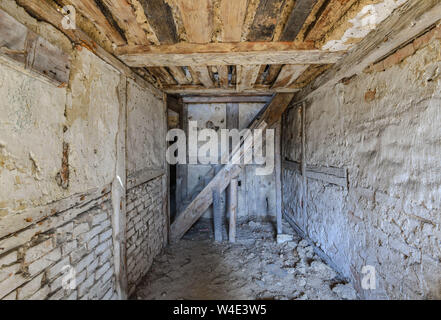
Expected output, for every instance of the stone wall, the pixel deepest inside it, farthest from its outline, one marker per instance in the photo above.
(60, 155)
(382, 129)
(146, 228)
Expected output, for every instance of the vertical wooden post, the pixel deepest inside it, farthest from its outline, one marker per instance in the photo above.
(166, 178)
(232, 209)
(278, 174)
(184, 168)
(217, 215)
(304, 179)
(181, 169)
(119, 195)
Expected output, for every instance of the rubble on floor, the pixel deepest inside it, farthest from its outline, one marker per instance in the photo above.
(255, 267)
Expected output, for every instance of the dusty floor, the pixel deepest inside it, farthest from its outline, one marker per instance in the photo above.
(255, 267)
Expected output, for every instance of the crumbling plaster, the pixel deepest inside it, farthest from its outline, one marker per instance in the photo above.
(382, 127)
(145, 129)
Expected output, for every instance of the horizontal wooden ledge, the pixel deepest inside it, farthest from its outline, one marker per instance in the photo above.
(142, 176)
(227, 99)
(337, 176)
(216, 54)
(200, 89)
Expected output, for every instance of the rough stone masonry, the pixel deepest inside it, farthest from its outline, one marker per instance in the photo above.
(381, 130)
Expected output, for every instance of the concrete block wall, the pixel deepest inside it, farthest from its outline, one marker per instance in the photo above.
(146, 229)
(382, 127)
(79, 248)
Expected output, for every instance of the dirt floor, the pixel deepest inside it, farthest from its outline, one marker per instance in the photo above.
(255, 267)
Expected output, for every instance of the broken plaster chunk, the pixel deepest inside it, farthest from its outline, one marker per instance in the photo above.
(303, 243)
(282, 238)
(345, 291)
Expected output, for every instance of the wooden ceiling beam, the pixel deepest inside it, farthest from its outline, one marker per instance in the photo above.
(179, 75)
(228, 99)
(223, 76)
(264, 24)
(91, 11)
(246, 77)
(125, 17)
(330, 14)
(288, 75)
(203, 76)
(302, 10)
(200, 89)
(197, 19)
(232, 14)
(160, 17)
(213, 54)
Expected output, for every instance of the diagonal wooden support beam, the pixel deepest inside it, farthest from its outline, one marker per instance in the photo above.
(203, 200)
(217, 54)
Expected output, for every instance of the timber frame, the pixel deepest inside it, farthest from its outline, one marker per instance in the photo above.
(219, 51)
(211, 46)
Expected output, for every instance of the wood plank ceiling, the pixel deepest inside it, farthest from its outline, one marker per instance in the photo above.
(217, 46)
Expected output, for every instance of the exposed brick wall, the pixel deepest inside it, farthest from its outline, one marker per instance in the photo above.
(82, 245)
(146, 229)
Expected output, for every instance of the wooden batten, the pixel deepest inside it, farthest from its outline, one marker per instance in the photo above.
(223, 76)
(203, 76)
(246, 77)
